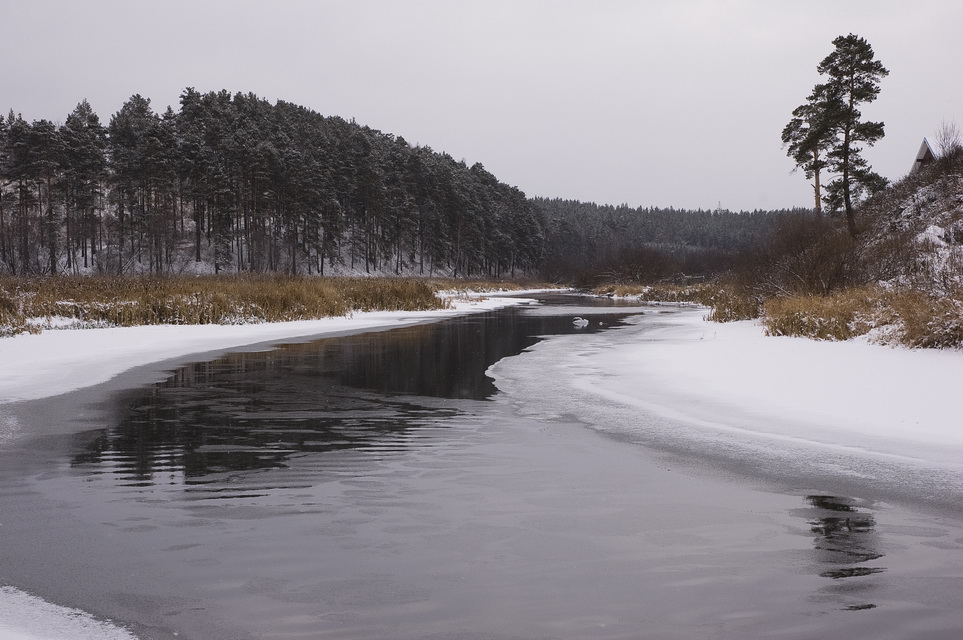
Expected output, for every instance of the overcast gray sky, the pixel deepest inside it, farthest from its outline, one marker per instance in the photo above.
(663, 103)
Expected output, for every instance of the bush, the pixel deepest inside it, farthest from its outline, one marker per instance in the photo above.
(679, 294)
(732, 304)
(727, 302)
(927, 321)
(807, 255)
(910, 318)
(837, 317)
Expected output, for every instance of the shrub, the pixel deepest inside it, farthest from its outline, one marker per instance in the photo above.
(732, 304)
(695, 294)
(927, 321)
(807, 255)
(837, 317)
(910, 318)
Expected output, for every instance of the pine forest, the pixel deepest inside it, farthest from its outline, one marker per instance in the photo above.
(231, 183)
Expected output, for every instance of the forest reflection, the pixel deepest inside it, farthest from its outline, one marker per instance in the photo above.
(254, 411)
(845, 539)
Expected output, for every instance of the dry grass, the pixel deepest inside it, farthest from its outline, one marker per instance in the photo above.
(726, 302)
(910, 318)
(732, 303)
(487, 286)
(927, 321)
(840, 316)
(692, 294)
(29, 304)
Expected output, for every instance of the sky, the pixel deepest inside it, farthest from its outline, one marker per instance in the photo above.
(650, 103)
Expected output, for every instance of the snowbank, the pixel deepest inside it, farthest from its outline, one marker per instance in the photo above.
(729, 391)
(25, 617)
(885, 400)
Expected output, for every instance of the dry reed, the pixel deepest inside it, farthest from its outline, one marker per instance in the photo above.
(911, 318)
(31, 303)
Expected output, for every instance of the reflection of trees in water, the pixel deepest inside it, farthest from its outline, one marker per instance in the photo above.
(192, 433)
(845, 539)
(254, 411)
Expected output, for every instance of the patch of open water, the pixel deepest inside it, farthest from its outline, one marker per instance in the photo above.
(368, 487)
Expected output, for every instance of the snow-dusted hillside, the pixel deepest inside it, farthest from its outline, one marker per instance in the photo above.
(916, 227)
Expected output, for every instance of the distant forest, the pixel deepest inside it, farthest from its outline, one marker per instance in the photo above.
(593, 243)
(234, 183)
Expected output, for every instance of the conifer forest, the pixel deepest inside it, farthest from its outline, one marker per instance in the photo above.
(233, 183)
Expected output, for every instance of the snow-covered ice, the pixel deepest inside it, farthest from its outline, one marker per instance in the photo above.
(773, 404)
(885, 400)
(25, 617)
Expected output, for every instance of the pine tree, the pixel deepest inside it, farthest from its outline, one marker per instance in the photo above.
(808, 137)
(85, 170)
(830, 122)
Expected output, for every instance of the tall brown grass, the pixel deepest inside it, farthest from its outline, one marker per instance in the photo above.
(911, 318)
(27, 304)
(679, 294)
(726, 301)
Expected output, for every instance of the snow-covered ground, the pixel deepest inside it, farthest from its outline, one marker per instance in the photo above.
(775, 405)
(720, 379)
(883, 400)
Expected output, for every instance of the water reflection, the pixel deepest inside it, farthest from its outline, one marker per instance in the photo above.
(845, 538)
(259, 411)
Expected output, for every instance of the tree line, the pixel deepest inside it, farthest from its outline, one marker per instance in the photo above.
(234, 183)
(594, 243)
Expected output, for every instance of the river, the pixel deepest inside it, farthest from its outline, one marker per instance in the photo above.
(395, 485)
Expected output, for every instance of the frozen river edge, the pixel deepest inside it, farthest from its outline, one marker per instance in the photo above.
(869, 413)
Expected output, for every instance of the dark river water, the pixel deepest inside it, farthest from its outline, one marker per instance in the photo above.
(378, 486)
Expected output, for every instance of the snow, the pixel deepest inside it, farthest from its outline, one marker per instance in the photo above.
(25, 617)
(722, 378)
(884, 400)
(729, 385)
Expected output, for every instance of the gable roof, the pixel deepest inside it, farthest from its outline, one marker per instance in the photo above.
(924, 156)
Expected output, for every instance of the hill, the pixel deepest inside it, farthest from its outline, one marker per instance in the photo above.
(233, 183)
(915, 227)
(899, 281)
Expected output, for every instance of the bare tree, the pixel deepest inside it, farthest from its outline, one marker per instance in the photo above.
(949, 139)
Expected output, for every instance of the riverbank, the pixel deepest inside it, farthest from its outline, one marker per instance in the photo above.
(725, 376)
(57, 361)
(874, 419)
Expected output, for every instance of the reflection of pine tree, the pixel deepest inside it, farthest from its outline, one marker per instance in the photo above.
(844, 536)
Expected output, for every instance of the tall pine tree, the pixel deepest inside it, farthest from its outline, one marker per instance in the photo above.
(830, 122)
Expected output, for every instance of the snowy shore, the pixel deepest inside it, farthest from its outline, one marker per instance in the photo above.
(885, 400)
(884, 418)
